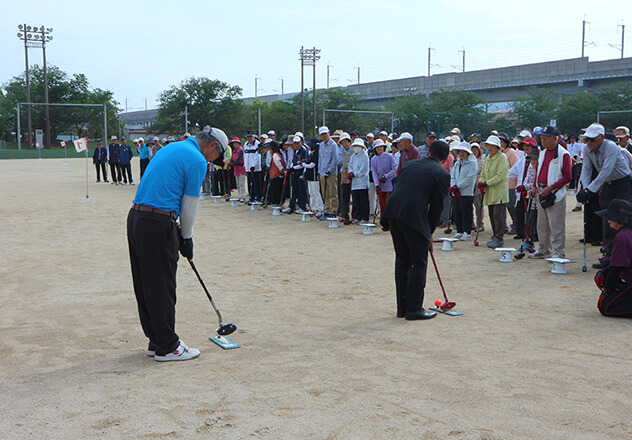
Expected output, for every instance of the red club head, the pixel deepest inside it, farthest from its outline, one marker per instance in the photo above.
(475, 242)
(448, 305)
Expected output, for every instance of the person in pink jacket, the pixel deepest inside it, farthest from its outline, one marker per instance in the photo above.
(237, 164)
(383, 168)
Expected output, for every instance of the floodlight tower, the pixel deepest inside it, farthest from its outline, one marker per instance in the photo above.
(36, 37)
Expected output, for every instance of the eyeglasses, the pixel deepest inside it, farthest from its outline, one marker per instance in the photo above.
(590, 139)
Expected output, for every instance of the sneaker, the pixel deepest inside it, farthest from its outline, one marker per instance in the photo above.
(481, 229)
(558, 255)
(132, 183)
(286, 210)
(466, 237)
(299, 211)
(537, 255)
(355, 222)
(182, 353)
(458, 235)
(320, 217)
(151, 349)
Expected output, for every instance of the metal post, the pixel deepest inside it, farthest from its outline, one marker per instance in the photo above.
(256, 86)
(46, 108)
(105, 124)
(302, 93)
(324, 110)
(186, 118)
(622, 38)
(463, 59)
(259, 125)
(19, 134)
(429, 61)
(28, 95)
(314, 94)
(328, 66)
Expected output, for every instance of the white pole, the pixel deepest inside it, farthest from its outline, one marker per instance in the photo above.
(87, 196)
(65, 155)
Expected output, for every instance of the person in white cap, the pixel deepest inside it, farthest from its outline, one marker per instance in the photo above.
(384, 136)
(169, 190)
(329, 160)
(252, 163)
(613, 180)
(272, 135)
(407, 149)
(143, 155)
(155, 148)
(114, 159)
(462, 183)
(456, 132)
(383, 168)
(494, 184)
(370, 138)
(359, 176)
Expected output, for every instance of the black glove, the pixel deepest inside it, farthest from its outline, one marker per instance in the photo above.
(584, 195)
(327, 174)
(186, 247)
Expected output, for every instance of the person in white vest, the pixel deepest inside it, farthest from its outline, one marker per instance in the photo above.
(553, 174)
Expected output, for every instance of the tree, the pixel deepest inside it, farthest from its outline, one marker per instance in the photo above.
(62, 89)
(613, 98)
(456, 108)
(412, 113)
(208, 102)
(577, 111)
(535, 108)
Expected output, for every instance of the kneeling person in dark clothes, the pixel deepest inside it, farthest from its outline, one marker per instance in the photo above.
(616, 294)
(169, 190)
(412, 214)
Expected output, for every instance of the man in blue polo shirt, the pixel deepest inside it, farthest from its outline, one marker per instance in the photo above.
(170, 189)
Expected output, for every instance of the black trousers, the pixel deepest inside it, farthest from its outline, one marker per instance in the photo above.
(616, 303)
(411, 262)
(299, 192)
(577, 171)
(360, 208)
(153, 251)
(276, 185)
(463, 214)
(126, 172)
(101, 167)
(593, 226)
(115, 170)
(621, 190)
(344, 198)
(254, 185)
(143, 165)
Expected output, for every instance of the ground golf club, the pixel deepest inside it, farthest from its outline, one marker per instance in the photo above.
(223, 329)
(447, 305)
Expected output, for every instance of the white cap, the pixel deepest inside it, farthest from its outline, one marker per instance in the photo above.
(383, 133)
(455, 130)
(493, 140)
(404, 135)
(297, 139)
(594, 130)
(271, 133)
(323, 129)
(264, 136)
(187, 134)
(140, 139)
(219, 135)
(525, 133)
(358, 143)
(495, 132)
(464, 146)
(298, 133)
(113, 138)
(370, 135)
(164, 140)
(455, 138)
(378, 143)
(156, 138)
(344, 136)
(390, 136)
(135, 140)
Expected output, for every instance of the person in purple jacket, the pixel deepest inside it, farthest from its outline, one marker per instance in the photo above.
(383, 169)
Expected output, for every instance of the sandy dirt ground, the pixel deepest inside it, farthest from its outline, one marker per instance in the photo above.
(323, 355)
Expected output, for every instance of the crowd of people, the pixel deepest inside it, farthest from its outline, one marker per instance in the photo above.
(524, 182)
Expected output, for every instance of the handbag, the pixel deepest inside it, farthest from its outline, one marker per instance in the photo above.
(547, 201)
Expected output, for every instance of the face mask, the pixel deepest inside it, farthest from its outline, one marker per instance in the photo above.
(357, 149)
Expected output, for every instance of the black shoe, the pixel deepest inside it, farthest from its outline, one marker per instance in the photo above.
(595, 243)
(424, 314)
(600, 265)
(581, 240)
(401, 314)
(347, 222)
(518, 237)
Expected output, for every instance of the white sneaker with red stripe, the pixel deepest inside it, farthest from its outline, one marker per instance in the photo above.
(182, 353)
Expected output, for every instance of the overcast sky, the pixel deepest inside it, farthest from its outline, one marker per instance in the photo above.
(139, 48)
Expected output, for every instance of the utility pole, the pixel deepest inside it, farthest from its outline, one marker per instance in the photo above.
(358, 73)
(583, 36)
(282, 92)
(186, 118)
(145, 103)
(622, 37)
(308, 57)
(463, 59)
(429, 50)
(256, 88)
(328, 66)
